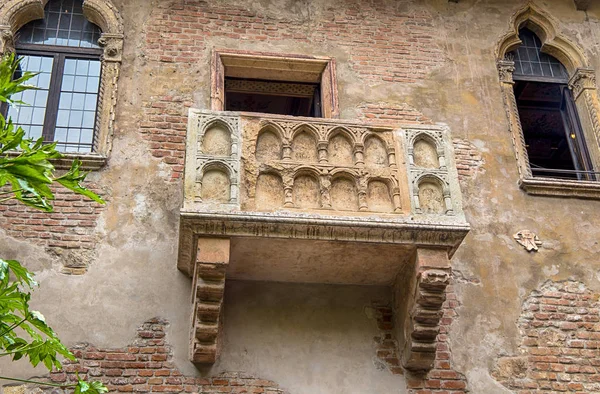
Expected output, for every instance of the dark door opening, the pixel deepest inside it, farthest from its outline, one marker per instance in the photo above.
(273, 97)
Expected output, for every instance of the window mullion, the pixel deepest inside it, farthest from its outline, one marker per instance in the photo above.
(577, 130)
(53, 97)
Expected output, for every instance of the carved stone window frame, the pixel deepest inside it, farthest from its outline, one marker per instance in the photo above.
(582, 82)
(14, 14)
(274, 67)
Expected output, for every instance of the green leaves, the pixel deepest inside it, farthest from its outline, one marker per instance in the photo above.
(89, 388)
(71, 180)
(26, 173)
(25, 164)
(9, 68)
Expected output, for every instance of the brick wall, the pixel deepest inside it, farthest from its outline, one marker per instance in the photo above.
(383, 41)
(164, 126)
(384, 44)
(71, 225)
(560, 347)
(468, 158)
(442, 379)
(146, 366)
(391, 114)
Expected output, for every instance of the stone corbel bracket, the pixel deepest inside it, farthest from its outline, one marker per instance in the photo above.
(421, 313)
(433, 178)
(207, 299)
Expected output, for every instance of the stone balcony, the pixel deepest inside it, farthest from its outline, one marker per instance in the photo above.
(289, 199)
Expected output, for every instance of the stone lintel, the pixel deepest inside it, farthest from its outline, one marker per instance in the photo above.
(212, 258)
(432, 271)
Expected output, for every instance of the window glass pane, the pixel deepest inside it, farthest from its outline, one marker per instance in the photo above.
(63, 24)
(77, 104)
(30, 116)
(531, 61)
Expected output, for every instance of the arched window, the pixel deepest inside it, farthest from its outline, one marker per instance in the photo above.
(63, 48)
(553, 135)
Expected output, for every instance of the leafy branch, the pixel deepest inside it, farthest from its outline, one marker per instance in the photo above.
(26, 174)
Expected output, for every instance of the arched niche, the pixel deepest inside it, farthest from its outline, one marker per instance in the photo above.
(375, 152)
(425, 153)
(431, 196)
(344, 193)
(304, 146)
(269, 191)
(216, 185)
(379, 196)
(268, 146)
(306, 191)
(216, 140)
(340, 149)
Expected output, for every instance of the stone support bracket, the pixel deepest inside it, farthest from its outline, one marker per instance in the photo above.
(424, 310)
(208, 293)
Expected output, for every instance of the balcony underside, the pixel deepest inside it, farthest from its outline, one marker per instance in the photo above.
(314, 250)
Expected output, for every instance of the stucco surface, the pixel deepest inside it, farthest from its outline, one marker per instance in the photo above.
(318, 338)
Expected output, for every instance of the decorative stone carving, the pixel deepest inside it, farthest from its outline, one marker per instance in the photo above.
(16, 13)
(505, 71)
(208, 291)
(319, 156)
(424, 309)
(213, 179)
(432, 180)
(583, 79)
(528, 240)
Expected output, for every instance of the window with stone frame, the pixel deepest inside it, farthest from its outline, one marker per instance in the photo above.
(554, 139)
(551, 99)
(283, 84)
(75, 46)
(63, 49)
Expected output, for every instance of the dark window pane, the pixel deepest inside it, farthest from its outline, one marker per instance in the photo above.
(533, 61)
(63, 24)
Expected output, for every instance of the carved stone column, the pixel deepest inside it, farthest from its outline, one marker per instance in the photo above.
(208, 291)
(585, 94)
(505, 70)
(359, 157)
(423, 295)
(322, 151)
(7, 43)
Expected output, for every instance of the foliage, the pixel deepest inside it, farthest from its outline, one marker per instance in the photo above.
(26, 174)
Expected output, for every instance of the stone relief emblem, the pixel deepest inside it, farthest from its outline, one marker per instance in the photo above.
(528, 240)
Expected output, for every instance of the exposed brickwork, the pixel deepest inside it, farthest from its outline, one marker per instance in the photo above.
(442, 379)
(468, 158)
(387, 346)
(147, 366)
(560, 348)
(383, 41)
(390, 114)
(164, 125)
(70, 226)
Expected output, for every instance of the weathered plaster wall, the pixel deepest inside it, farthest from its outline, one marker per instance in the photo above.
(426, 61)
